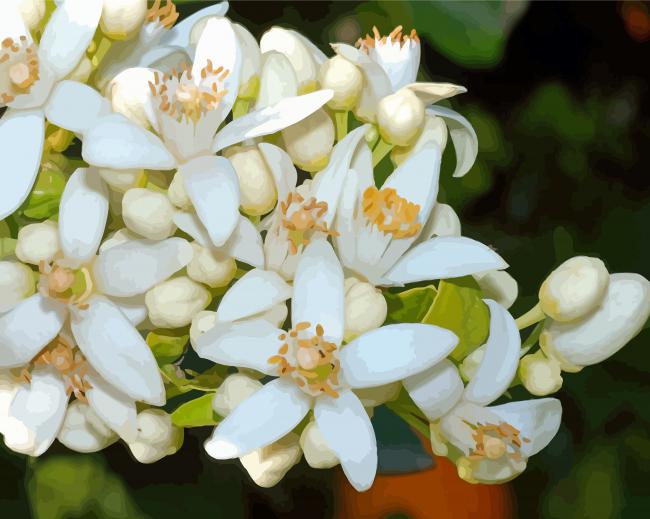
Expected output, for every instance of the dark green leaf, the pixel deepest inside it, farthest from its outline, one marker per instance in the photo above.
(409, 306)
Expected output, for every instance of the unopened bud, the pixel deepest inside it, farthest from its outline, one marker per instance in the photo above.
(157, 436)
(256, 184)
(177, 193)
(498, 285)
(121, 19)
(174, 302)
(207, 268)
(201, 323)
(130, 94)
(344, 79)
(290, 44)
(83, 430)
(400, 117)
(233, 391)
(38, 242)
(540, 375)
(122, 180)
(16, 283)
(365, 308)
(310, 141)
(32, 12)
(148, 213)
(118, 238)
(268, 465)
(317, 453)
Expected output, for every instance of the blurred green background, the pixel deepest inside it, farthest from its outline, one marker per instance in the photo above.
(558, 97)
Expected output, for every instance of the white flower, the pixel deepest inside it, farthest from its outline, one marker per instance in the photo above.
(314, 370)
(494, 442)
(29, 79)
(157, 436)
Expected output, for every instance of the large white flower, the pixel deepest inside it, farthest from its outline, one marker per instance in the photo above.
(314, 369)
(29, 73)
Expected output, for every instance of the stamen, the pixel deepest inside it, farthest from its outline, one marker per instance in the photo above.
(69, 286)
(496, 441)
(166, 16)
(376, 40)
(302, 219)
(391, 213)
(18, 63)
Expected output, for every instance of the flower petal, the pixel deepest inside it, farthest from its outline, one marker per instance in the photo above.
(500, 360)
(261, 419)
(213, 186)
(318, 290)
(82, 214)
(134, 267)
(246, 344)
(430, 93)
(245, 244)
(347, 430)
(283, 171)
(277, 80)
(394, 352)
(75, 106)
(113, 407)
(21, 145)
(117, 351)
(445, 257)
(134, 308)
(179, 34)
(28, 327)
(462, 135)
(436, 390)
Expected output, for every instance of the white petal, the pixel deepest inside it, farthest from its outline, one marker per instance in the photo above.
(270, 119)
(436, 390)
(399, 59)
(445, 257)
(28, 327)
(394, 352)
(68, 33)
(462, 135)
(283, 171)
(212, 185)
(179, 34)
(430, 93)
(347, 430)
(21, 145)
(117, 143)
(318, 290)
(189, 223)
(133, 308)
(277, 80)
(443, 221)
(83, 431)
(113, 407)
(75, 106)
(246, 344)
(263, 418)
(245, 244)
(257, 291)
(500, 360)
(134, 267)
(117, 351)
(12, 24)
(82, 214)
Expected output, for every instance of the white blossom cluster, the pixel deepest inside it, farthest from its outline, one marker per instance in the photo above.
(189, 193)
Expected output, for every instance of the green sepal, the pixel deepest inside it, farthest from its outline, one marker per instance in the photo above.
(167, 345)
(196, 413)
(43, 201)
(179, 383)
(409, 306)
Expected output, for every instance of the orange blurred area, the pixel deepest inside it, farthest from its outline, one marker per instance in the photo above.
(637, 20)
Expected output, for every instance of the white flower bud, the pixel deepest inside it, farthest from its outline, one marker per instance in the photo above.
(174, 302)
(16, 283)
(365, 308)
(207, 268)
(38, 242)
(498, 285)
(130, 95)
(233, 391)
(541, 376)
(256, 184)
(268, 465)
(574, 289)
(376, 396)
(444, 221)
(434, 129)
(400, 117)
(177, 193)
(201, 323)
(118, 238)
(32, 12)
(290, 44)
(317, 453)
(83, 430)
(121, 19)
(157, 436)
(470, 364)
(310, 141)
(122, 180)
(345, 79)
(148, 213)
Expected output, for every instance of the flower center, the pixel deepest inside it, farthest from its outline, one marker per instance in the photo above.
(391, 213)
(395, 35)
(309, 359)
(165, 16)
(70, 286)
(302, 219)
(19, 67)
(495, 441)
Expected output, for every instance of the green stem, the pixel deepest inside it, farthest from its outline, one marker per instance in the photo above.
(341, 119)
(381, 150)
(240, 107)
(533, 316)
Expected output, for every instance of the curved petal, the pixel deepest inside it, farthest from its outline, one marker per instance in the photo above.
(213, 186)
(436, 390)
(113, 407)
(399, 59)
(347, 430)
(82, 214)
(283, 171)
(245, 244)
(256, 291)
(445, 257)
(277, 80)
(134, 267)
(247, 344)
(28, 327)
(394, 352)
(21, 146)
(134, 308)
(68, 34)
(462, 135)
(500, 360)
(318, 290)
(75, 106)
(261, 419)
(179, 34)
(189, 223)
(117, 351)
(430, 93)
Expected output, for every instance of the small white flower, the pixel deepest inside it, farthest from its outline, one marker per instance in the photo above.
(157, 436)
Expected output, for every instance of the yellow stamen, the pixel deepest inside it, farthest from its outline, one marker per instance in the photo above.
(166, 16)
(390, 213)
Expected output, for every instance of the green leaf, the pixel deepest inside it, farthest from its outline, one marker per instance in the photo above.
(459, 308)
(167, 345)
(43, 201)
(7, 247)
(409, 306)
(196, 413)
(209, 380)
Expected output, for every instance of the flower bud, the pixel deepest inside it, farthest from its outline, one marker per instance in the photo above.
(38, 242)
(400, 117)
(574, 289)
(498, 285)
(541, 376)
(32, 12)
(157, 436)
(201, 323)
(130, 95)
(122, 180)
(173, 303)
(345, 79)
(233, 391)
(118, 238)
(121, 19)
(433, 130)
(16, 283)
(209, 269)
(177, 194)
(376, 396)
(256, 184)
(365, 308)
(471, 363)
(83, 430)
(310, 141)
(268, 465)
(317, 453)
(148, 213)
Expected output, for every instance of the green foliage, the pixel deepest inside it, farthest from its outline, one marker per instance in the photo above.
(167, 345)
(178, 381)
(196, 413)
(7, 247)
(409, 306)
(43, 202)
